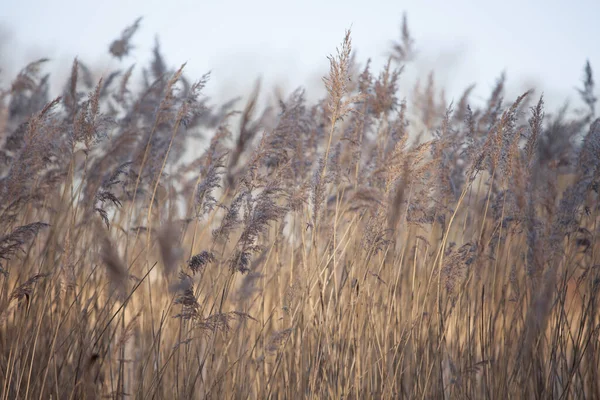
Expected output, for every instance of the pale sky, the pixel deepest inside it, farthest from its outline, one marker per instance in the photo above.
(541, 43)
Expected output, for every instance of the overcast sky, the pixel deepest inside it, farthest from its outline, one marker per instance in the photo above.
(538, 43)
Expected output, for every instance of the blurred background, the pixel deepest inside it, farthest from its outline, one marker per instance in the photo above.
(541, 44)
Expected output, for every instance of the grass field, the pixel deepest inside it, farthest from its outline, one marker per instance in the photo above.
(375, 244)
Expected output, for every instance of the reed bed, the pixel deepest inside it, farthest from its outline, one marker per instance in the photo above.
(374, 244)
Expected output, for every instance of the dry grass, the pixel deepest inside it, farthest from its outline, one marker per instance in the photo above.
(361, 247)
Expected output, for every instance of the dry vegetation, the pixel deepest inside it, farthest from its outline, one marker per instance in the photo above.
(360, 247)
